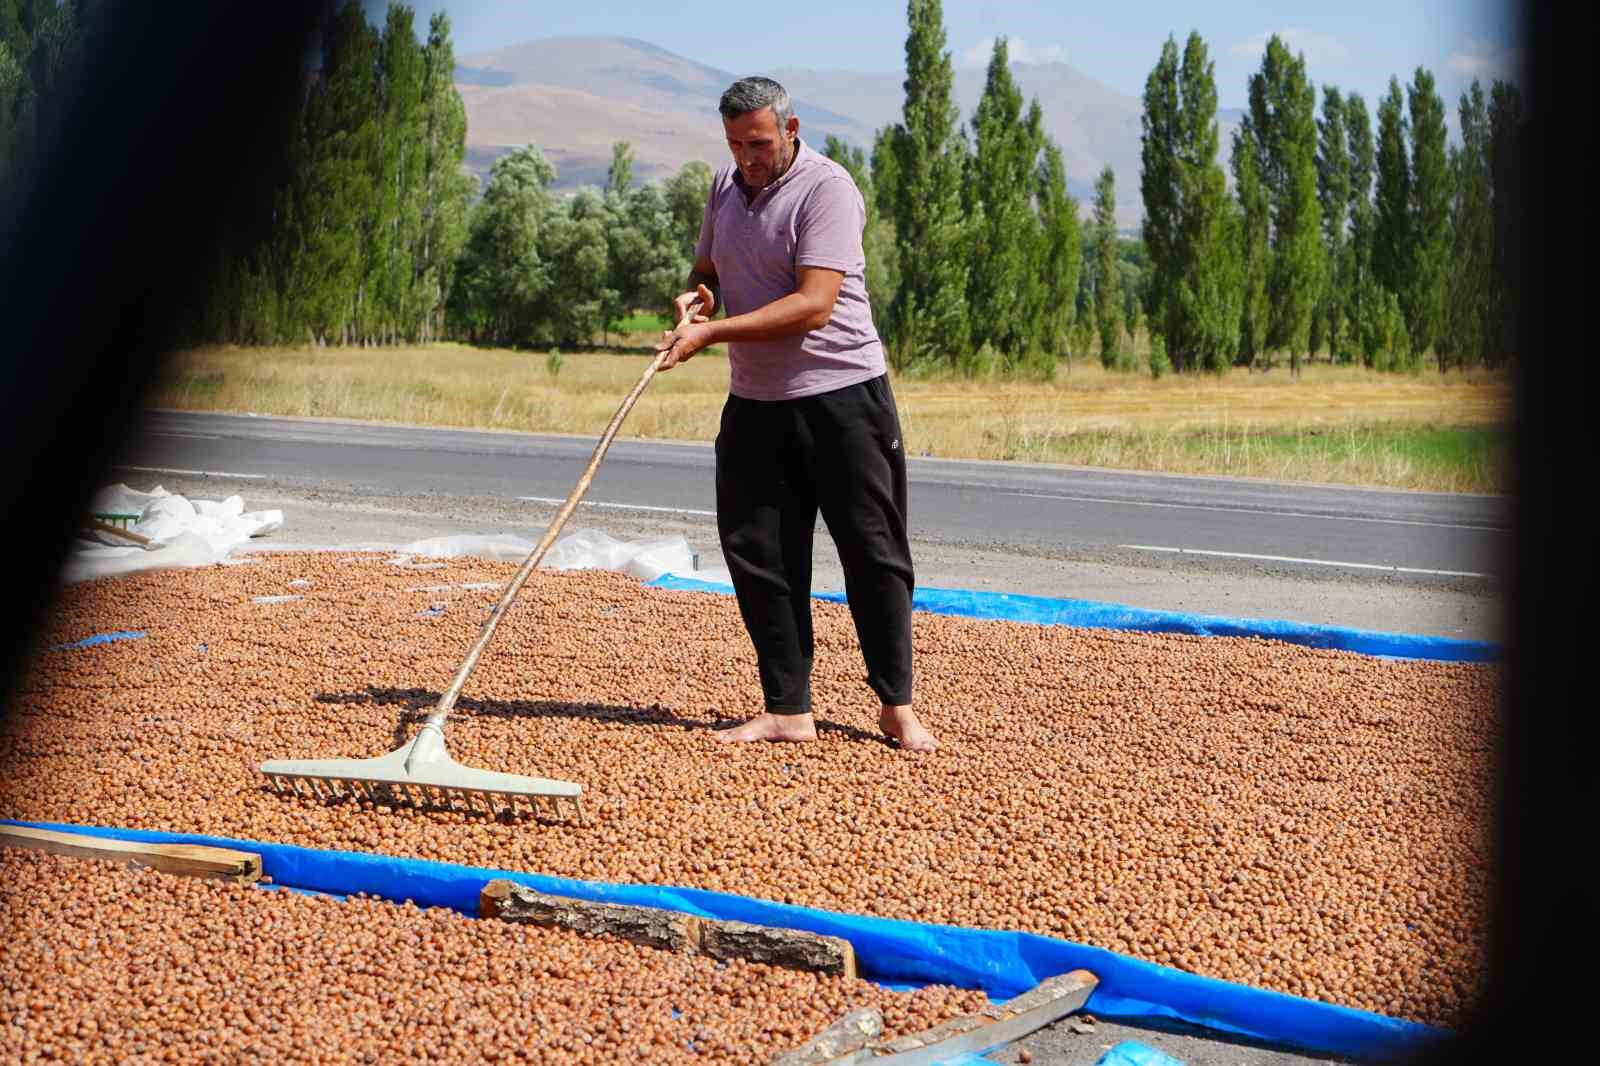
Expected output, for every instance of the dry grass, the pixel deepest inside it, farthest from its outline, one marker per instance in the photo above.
(1332, 424)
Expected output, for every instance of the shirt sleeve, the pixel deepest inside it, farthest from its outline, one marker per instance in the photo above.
(828, 227)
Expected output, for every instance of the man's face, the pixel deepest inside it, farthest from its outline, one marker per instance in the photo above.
(760, 147)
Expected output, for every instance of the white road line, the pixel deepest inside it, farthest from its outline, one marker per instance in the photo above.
(191, 473)
(186, 436)
(622, 506)
(1311, 562)
(1260, 510)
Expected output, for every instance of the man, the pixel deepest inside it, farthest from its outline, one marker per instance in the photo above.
(809, 422)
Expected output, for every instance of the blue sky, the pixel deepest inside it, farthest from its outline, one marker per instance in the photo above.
(1355, 44)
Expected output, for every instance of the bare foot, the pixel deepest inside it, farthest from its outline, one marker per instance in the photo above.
(900, 724)
(794, 728)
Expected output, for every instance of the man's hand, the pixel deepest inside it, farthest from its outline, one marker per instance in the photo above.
(680, 344)
(692, 333)
(708, 304)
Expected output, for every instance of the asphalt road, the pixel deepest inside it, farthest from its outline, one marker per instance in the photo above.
(1062, 511)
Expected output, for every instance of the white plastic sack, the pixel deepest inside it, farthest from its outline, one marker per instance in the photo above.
(585, 549)
(506, 547)
(181, 532)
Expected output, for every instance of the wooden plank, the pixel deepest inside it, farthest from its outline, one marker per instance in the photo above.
(850, 1033)
(190, 860)
(1048, 1001)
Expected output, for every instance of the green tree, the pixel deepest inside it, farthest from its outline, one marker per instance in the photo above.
(1108, 298)
(1333, 194)
(14, 92)
(877, 238)
(1160, 142)
(504, 278)
(687, 193)
(336, 195)
(1358, 135)
(1003, 277)
(446, 191)
(620, 175)
(1431, 240)
(928, 318)
(1061, 261)
(1282, 121)
(1254, 250)
(398, 179)
(1391, 236)
(1468, 316)
(1194, 283)
(1506, 145)
(885, 173)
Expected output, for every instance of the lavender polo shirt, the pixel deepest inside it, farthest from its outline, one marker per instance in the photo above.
(812, 216)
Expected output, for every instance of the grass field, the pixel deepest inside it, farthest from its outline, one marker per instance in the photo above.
(1332, 424)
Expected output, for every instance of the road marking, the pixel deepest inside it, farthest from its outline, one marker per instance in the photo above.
(1310, 562)
(186, 436)
(622, 506)
(191, 473)
(1261, 510)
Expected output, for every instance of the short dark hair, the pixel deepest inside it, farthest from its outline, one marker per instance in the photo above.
(753, 94)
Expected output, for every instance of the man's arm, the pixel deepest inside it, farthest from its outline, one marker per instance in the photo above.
(807, 308)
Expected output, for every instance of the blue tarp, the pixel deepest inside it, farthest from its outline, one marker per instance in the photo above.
(1090, 613)
(900, 953)
(98, 638)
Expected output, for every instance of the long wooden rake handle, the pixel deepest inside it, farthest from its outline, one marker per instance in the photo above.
(447, 701)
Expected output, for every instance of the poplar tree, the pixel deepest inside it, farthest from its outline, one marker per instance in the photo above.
(1159, 146)
(1003, 277)
(1391, 236)
(1468, 300)
(1254, 250)
(446, 191)
(1061, 260)
(877, 237)
(1108, 296)
(1431, 240)
(928, 317)
(1506, 144)
(1203, 333)
(1333, 193)
(1358, 134)
(1282, 122)
(398, 178)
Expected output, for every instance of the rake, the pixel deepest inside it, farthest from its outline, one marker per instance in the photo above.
(421, 772)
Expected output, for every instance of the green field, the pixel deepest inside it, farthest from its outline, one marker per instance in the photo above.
(1342, 424)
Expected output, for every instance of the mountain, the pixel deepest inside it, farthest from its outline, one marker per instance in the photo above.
(575, 96)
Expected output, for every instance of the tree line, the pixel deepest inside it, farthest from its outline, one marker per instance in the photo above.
(1375, 244)
(1378, 246)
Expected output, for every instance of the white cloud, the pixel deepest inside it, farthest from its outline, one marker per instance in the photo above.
(1487, 61)
(1017, 49)
(1317, 47)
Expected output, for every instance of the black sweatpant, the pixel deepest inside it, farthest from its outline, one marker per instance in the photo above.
(778, 463)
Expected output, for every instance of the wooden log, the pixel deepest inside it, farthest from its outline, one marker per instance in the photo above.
(191, 860)
(850, 1033)
(650, 926)
(793, 948)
